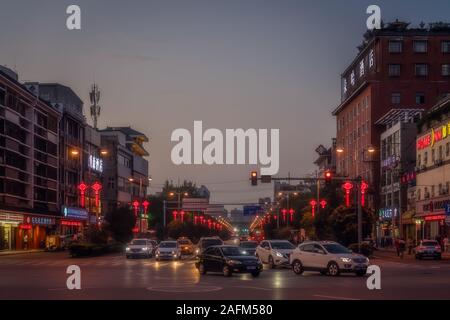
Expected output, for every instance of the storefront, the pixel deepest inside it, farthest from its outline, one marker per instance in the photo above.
(73, 221)
(33, 231)
(434, 216)
(9, 226)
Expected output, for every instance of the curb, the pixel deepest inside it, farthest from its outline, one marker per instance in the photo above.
(13, 253)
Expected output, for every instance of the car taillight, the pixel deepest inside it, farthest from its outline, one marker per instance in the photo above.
(437, 248)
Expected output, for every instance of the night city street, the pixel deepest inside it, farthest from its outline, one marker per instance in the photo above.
(261, 156)
(42, 276)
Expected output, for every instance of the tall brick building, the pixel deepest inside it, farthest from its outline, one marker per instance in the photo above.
(397, 67)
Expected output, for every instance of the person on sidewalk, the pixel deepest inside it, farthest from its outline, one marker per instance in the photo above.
(401, 247)
(25, 242)
(445, 242)
(410, 246)
(397, 246)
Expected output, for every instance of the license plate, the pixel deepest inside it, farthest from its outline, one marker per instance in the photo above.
(251, 268)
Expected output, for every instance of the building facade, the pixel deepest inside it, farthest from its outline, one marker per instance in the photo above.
(433, 172)
(397, 67)
(397, 168)
(29, 166)
(125, 174)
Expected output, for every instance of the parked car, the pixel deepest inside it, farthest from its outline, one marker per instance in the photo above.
(327, 257)
(249, 247)
(228, 260)
(140, 248)
(168, 250)
(206, 242)
(275, 252)
(186, 245)
(428, 249)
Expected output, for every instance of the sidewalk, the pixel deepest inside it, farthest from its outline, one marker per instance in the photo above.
(391, 252)
(16, 252)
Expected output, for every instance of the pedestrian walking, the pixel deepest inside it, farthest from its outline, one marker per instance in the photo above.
(409, 244)
(397, 246)
(401, 247)
(25, 242)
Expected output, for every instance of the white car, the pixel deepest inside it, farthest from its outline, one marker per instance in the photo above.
(328, 258)
(168, 250)
(140, 248)
(275, 252)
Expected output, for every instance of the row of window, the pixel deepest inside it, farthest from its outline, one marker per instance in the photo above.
(437, 154)
(396, 98)
(353, 113)
(419, 46)
(420, 70)
(433, 191)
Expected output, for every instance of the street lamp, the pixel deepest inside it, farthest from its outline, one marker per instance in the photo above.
(75, 152)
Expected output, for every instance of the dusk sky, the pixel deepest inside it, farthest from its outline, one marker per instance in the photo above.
(160, 65)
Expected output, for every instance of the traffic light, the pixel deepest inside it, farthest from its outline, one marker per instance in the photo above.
(328, 177)
(254, 178)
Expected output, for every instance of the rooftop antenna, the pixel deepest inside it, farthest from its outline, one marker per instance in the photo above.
(94, 95)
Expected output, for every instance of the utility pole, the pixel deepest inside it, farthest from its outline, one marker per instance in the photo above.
(94, 96)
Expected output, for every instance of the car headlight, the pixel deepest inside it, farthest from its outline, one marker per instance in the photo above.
(157, 252)
(278, 254)
(144, 249)
(234, 262)
(127, 249)
(197, 250)
(173, 252)
(346, 260)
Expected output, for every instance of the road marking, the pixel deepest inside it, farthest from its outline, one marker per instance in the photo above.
(334, 297)
(255, 288)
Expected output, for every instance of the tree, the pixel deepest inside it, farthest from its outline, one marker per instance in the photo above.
(345, 226)
(121, 222)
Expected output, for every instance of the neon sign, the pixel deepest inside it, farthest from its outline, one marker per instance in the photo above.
(434, 136)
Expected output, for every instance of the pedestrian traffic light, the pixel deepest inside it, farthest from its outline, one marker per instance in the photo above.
(254, 178)
(328, 177)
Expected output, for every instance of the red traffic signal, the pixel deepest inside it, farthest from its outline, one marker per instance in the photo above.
(328, 177)
(254, 178)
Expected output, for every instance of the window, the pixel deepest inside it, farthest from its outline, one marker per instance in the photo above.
(421, 70)
(395, 46)
(433, 156)
(440, 189)
(419, 160)
(432, 191)
(419, 194)
(395, 98)
(446, 70)
(447, 149)
(425, 158)
(2, 96)
(420, 98)
(420, 46)
(441, 154)
(445, 46)
(394, 70)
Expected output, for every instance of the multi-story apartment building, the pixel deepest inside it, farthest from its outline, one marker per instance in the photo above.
(29, 189)
(71, 152)
(397, 167)
(126, 170)
(396, 67)
(433, 172)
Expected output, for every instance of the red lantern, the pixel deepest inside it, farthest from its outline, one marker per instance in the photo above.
(348, 186)
(136, 207)
(323, 204)
(284, 212)
(313, 204)
(364, 187)
(97, 187)
(175, 214)
(82, 187)
(145, 204)
(182, 216)
(195, 219)
(291, 212)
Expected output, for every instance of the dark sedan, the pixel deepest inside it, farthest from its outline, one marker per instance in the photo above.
(228, 260)
(249, 247)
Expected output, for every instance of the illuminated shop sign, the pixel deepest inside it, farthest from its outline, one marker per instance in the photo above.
(391, 161)
(387, 213)
(95, 163)
(74, 213)
(435, 218)
(71, 223)
(434, 136)
(439, 205)
(40, 221)
(350, 80)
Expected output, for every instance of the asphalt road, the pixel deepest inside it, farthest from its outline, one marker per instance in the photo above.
(43, 276)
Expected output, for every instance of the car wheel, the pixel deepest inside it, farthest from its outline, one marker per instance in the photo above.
(255, 274)
(271, 263)
(201, 269)
(297, 267)
(333, 269)
(226, 271)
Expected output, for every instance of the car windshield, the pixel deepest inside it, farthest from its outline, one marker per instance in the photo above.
(282, 245)
(429, 243)
(168, 245)
(249, 245)
(184, 241)
(139, 242)
(211, 242)
(336, 248)
(232, 251)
